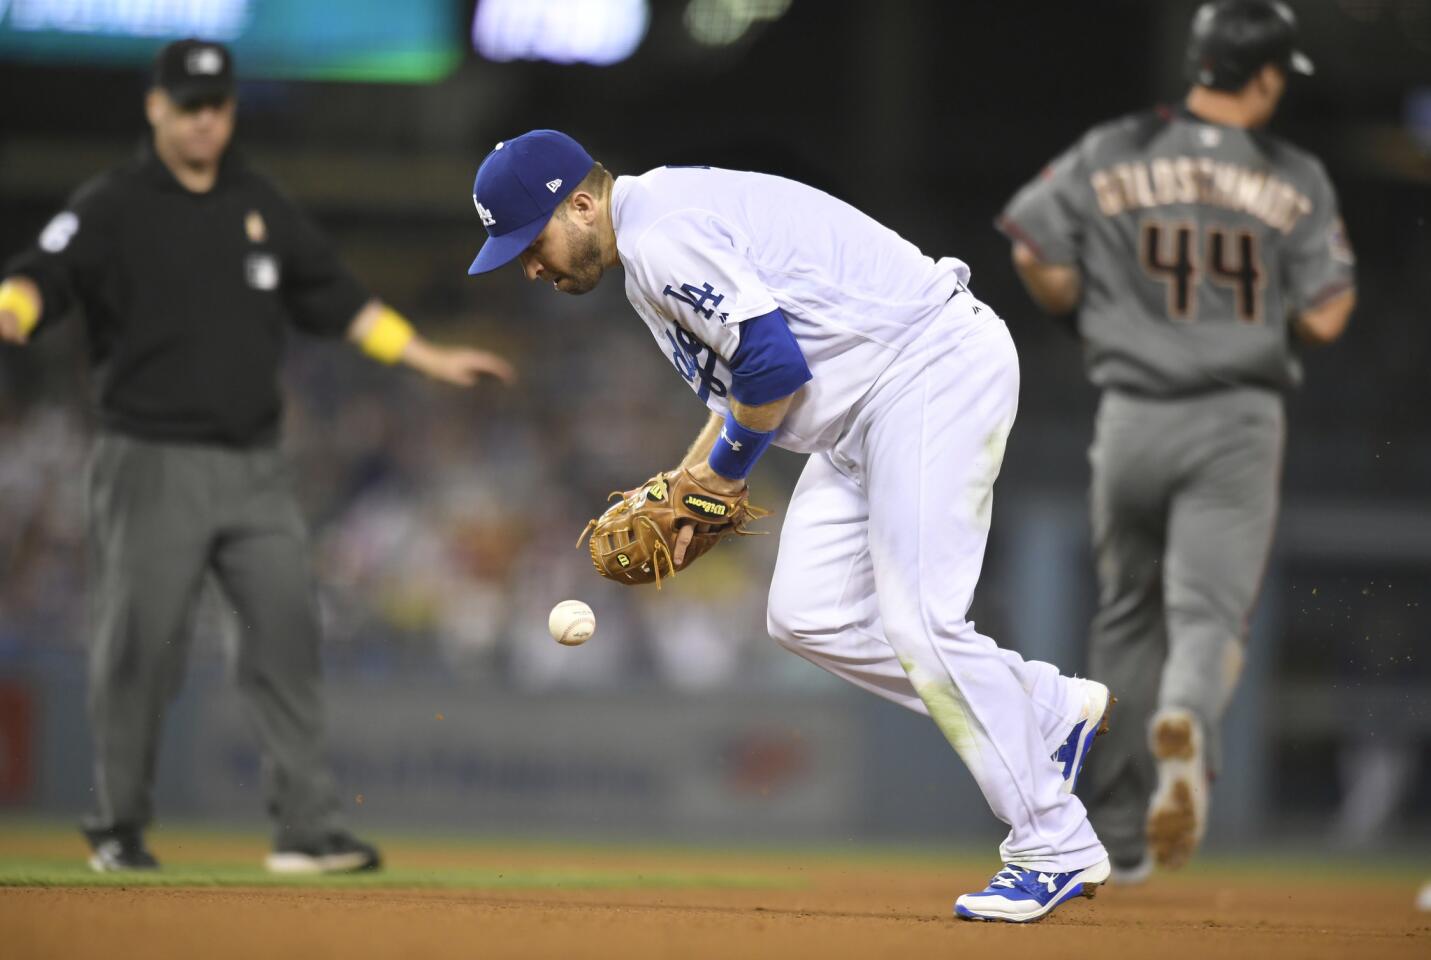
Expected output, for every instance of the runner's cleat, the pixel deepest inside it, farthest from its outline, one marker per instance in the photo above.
(1133, 872)
(1177, 815)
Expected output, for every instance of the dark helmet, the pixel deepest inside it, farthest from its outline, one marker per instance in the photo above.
(1232, 39)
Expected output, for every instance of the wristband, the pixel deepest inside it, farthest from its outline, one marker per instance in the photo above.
(388, 337)
(19, 302)
(737, 448)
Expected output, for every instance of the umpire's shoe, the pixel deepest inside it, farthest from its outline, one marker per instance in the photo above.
(336, 852)
(118, 849)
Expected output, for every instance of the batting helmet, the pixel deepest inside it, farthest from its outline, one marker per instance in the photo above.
(1232, 39)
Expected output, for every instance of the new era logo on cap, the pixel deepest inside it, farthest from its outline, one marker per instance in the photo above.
(519, 186)
(193, 71)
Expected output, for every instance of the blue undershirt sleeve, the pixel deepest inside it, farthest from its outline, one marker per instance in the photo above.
(768, 363)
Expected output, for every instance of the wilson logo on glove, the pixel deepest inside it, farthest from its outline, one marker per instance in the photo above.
(706, 508)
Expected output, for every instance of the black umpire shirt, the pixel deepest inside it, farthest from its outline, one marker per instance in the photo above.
(187, 296)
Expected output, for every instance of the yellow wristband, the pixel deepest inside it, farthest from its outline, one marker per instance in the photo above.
(19, 302)
(388, 337)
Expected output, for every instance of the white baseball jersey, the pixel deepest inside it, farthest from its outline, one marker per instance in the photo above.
(705, 249)
(913, 391)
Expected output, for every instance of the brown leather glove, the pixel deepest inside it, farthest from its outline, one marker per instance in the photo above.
(632, 541)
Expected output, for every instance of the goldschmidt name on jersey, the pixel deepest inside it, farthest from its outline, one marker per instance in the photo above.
(1164, 181)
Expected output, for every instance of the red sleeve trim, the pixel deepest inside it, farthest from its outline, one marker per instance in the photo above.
(1328, 292)
(1014, 232)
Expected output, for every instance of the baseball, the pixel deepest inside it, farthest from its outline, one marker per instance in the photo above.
(572, 623)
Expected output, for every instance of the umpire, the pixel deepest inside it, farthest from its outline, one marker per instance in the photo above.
(189, 266)
(1194, 247)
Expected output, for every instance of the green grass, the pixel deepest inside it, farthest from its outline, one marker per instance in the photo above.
(39, 852)
(1311, 867)
(53, 873)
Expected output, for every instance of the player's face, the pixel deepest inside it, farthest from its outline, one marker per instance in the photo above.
(196, 134)
(566, 254)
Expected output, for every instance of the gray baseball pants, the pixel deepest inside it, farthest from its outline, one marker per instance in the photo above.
(1184, 499)
(162, 516)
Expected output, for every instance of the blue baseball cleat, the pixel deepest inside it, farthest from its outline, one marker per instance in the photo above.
(1097, 709)
(1016, 895)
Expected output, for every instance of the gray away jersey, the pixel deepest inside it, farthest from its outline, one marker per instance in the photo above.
(1195, 241)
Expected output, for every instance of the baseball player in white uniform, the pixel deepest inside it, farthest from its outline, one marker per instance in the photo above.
(800, 321)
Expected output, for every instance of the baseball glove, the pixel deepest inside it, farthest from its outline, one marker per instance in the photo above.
(632, 542)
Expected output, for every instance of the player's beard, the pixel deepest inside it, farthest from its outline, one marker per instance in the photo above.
(585, 251)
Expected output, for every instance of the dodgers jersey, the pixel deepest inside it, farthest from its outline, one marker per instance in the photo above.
(706, 249)
(1196, 241)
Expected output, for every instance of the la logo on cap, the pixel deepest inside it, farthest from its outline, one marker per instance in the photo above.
(204, 60)
(487, 219)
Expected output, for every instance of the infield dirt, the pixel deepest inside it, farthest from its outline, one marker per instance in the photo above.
(584, 901)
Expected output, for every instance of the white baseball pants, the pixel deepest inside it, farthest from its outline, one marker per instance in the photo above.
(879, 557)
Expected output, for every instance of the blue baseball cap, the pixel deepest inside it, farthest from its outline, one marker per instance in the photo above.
(518, 188)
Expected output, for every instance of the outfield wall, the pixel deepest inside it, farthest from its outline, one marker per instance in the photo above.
(432, 754)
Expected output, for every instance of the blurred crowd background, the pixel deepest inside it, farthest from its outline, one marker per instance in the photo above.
(444, 521)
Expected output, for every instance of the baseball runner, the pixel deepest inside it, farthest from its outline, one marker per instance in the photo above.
(799, 321)
(1193, 246)
(189, 266)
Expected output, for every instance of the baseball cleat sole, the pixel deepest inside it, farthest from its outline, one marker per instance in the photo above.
(1177, 814)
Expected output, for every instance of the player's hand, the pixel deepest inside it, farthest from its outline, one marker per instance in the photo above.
(10, 329)
(459, 366)
(683, 540)
(714, 482)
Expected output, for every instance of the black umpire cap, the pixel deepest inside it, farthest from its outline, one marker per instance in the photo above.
(195, 71)
(1232, 39)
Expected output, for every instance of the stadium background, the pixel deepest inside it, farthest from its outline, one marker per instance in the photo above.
(452, 710)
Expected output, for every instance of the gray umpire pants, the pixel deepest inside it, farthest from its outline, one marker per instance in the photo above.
(162, 516)
(1183, 501)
